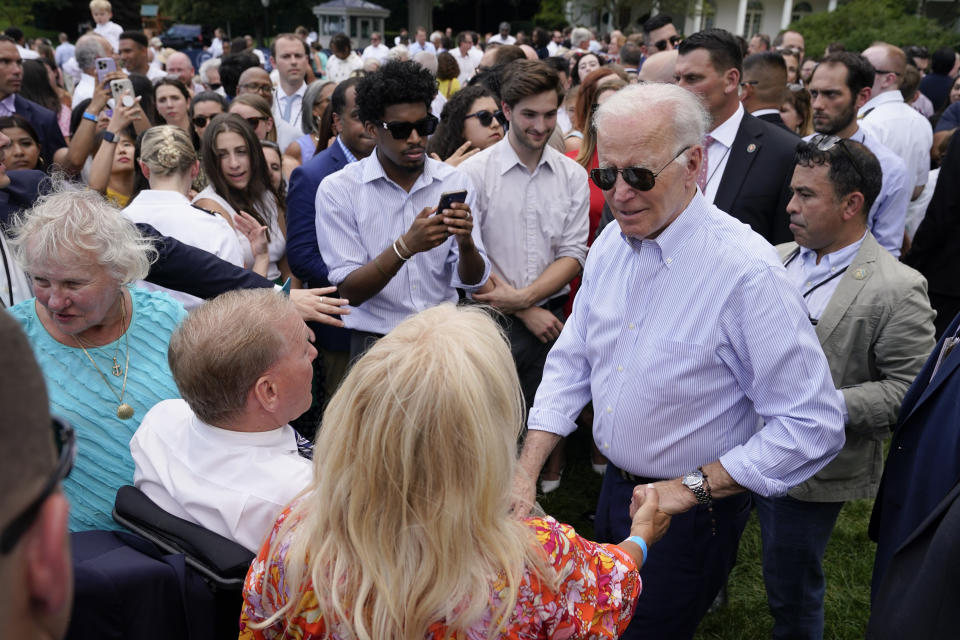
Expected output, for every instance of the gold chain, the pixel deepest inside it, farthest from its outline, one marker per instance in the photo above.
(124, 410)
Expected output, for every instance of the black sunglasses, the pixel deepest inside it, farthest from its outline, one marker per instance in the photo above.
(67, 450)
(824, 142)
(401, 130)
(486, 117)
(254, 121)
(674, 40)
(639, 178)
(201, 121)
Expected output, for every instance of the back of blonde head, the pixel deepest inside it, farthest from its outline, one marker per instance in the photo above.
(407, 521)
(167, 150)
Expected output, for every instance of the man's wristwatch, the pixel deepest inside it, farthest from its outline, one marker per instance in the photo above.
(696, 482)
(109, 136)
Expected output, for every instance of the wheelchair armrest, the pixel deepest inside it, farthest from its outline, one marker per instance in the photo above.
(219, 559)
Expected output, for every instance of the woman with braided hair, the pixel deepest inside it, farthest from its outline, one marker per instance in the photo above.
(170, 164)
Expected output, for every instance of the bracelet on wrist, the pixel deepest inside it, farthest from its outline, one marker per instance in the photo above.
(640, 542)
(397, 251)
(90, 116)
(403, 245)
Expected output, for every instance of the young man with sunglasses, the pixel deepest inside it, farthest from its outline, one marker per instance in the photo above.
(839, 86)
(387, 247)
(36, 578)
(686, 336)
(533, 205)
(875, 325)
(660, 34)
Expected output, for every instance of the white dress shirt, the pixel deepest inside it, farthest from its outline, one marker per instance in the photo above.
(501, 40)
(361, 212)
(230, 482)
(682, 342)
(171, 213)
(216, 48)
(529, 220)
(84, 88)
(111, 31)
(280, 100)
(903, 130)
(339, 70)
(718, 151)
(378, 52)
(415, 48)
(468, 64)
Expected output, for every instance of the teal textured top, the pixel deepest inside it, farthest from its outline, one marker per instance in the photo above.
(79, 395)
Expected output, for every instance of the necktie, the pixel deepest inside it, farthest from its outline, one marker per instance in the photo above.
(702, 176)
(286, 109)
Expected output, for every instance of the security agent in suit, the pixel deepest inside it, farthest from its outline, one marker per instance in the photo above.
(748, 162)
(43, 120)
(763, 86)
(875, 324)
(36, 581)
(303, 254)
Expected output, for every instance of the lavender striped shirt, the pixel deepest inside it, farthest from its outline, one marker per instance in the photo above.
(684, 343)
(361, 212)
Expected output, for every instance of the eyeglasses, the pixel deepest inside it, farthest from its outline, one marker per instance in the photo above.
(401, 130)
(67, 451)
(486, 117)
(259, 88)
(823, 142)
(639, 178)
(254, 121)
(749, 82)
(674, 40)
(883, 72)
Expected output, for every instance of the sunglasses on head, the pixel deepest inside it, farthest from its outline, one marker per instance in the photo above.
(66, 452)
(674, 40)
(401, 129)
(639, 178)
(825, 142)
(486, 117)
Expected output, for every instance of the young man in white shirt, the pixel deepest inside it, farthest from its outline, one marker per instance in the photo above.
(420, 43)
(288, 55)
(533, 204)
(376, 50)
(224, 456)
(467, 57)
(344, 60)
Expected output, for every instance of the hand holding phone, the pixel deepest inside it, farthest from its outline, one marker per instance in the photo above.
(120, 89)
(105, 66)
(447, 198)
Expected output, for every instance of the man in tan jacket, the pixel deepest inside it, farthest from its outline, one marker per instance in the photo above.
(875, 324)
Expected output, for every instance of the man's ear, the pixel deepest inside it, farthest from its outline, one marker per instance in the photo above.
(731, 80)
(266, 393)
(852, 205)
(49, 568)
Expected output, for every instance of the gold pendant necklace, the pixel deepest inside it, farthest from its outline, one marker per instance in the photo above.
(124, 410)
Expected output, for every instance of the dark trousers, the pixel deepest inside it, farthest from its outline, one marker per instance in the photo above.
(360, 343)
(795, 535)
(529, 354)
(686, 567)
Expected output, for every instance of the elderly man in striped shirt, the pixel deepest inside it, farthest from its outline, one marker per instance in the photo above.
(687, 336)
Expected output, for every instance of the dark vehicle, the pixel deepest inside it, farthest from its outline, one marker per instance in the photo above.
(182, 36)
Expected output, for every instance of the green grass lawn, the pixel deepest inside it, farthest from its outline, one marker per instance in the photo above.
(848, 562)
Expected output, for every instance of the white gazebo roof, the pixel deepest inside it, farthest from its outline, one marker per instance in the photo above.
(350, 8)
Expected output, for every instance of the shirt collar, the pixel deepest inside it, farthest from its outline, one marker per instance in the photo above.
(726, 132)
(346, 152)
(763, 112)
(882, 98)
(8, 103)
(508, 158)
(373, 170)
(671, 240)
(835, 260)
(299, 92)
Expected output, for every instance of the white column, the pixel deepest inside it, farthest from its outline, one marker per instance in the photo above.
(832, 5)
(699, 15)
(741, 17)
(787, 10)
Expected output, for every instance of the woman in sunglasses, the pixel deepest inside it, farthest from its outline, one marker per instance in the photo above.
(469, 123)
(240, 191)
(256, 111)
(203, 107)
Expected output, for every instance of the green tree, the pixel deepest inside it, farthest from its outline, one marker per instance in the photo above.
(859, 23)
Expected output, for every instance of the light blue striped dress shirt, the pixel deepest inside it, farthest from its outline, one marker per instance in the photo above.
(685, 343)
(361, 212)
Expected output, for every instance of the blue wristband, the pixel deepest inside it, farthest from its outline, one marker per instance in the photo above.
(89, 116)
(640, 542)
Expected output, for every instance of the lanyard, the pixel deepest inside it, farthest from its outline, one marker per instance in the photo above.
(806, 293)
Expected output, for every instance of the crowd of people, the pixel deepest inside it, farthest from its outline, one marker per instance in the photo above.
(344, 306)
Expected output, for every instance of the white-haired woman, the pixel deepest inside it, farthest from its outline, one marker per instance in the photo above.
(406, 529)
(169, 162)
(102, 345)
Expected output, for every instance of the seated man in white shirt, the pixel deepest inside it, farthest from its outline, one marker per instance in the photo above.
(225, 456)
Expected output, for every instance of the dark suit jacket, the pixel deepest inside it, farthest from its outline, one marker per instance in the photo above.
(303, 254)
(923, 464)
(45, 122)
(179, 266)
(921, 588)
(774, 118)
(756, 182)
(934, 251)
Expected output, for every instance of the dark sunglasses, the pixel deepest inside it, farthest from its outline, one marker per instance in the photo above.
(67, 450)
(486, 117)
(254, 121)
(639, 178)
(824, 142)
(401, 130)
(201, 121)
(661, 45)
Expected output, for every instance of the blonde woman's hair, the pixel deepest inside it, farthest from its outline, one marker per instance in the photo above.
(407, 520)
(69, 223)
(167, 150)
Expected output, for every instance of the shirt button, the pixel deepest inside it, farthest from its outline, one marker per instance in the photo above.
(609, 409)
(414, 287)
(669, 260)
(631, 326)
(809, 284)
(619, 367)
(606, 445)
